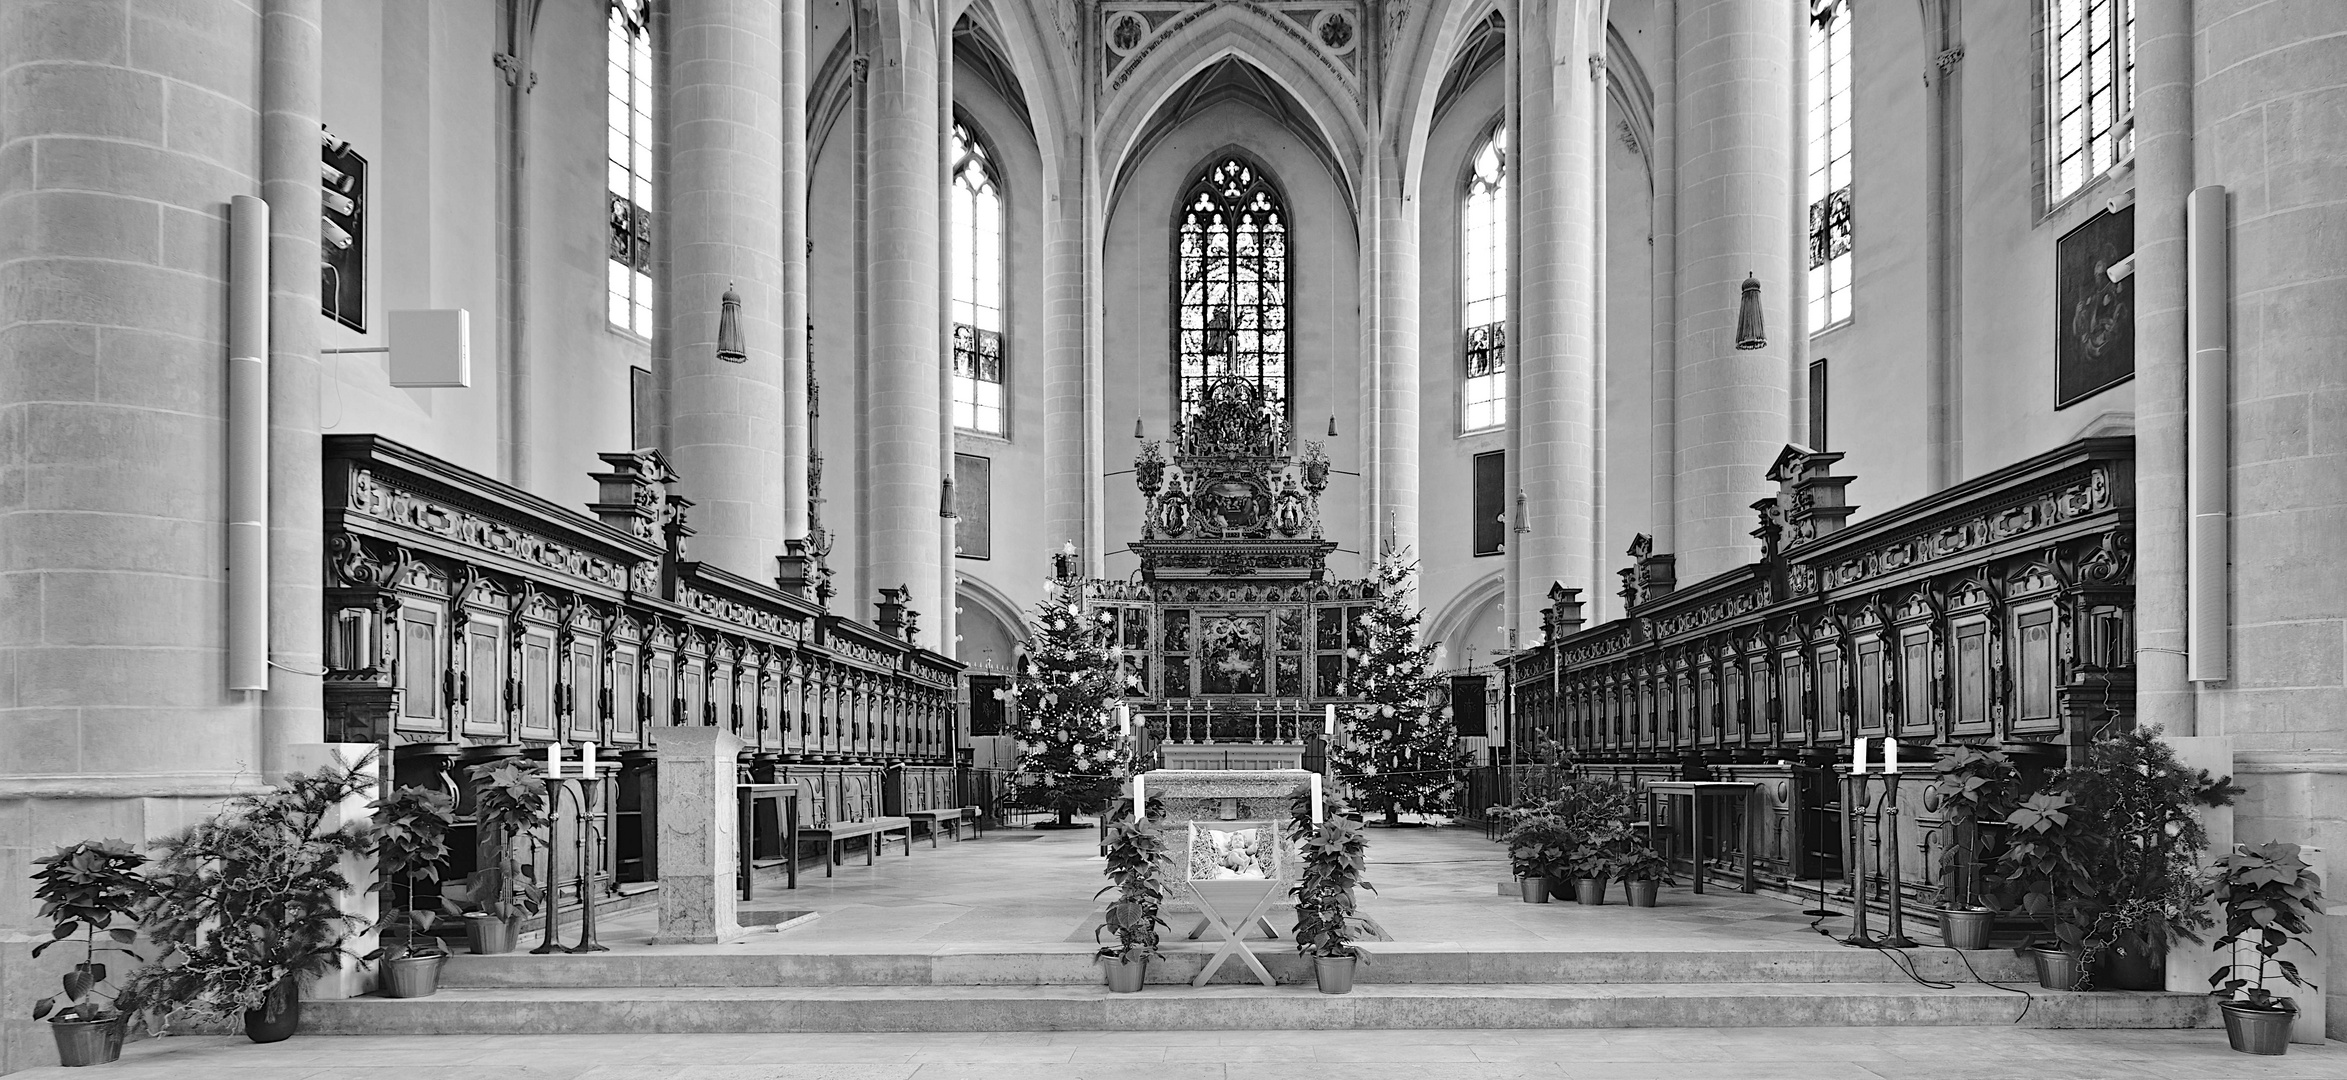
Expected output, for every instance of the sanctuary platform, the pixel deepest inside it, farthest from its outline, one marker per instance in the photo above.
(997, 935)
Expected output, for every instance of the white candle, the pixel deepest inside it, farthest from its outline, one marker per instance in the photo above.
(1124, 719)
(1140, 806)
(1328, 727)
(587, 759)
(1890, 757)
(1858, 756)
(553, 761)
(1315, 798)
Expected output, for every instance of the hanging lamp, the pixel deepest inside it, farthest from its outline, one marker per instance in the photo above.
(1749, 334)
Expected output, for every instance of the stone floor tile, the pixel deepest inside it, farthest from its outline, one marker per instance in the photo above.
(777, 1071)
(1145, 1070)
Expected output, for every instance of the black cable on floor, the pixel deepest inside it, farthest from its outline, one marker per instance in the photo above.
(1905, 964)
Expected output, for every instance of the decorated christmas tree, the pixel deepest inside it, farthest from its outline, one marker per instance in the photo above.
(1069, 760)
(1399, 753)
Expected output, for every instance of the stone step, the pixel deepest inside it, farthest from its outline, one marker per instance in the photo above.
(1073, 965)
(608, 1010)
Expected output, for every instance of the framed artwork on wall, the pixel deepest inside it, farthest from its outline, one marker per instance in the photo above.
(2097, 315)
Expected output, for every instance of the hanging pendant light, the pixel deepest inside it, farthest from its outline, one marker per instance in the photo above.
(729, 327)
(1749, 334)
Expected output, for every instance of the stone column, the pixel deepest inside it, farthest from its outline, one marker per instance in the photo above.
(724, 228)
(1734, 201)
(1391, 418)
(1068, 452)
(793, 219)
(293, 708)
(115, 716)
(2163, 177)
(697, 848)
(903, 369)
(1663, 472)
(1554, 362)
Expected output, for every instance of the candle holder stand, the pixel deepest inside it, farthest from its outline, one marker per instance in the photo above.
(1854, 835)
(589, 872)
(553, 930)
(1897, 938)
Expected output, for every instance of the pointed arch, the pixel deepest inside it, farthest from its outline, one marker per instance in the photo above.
(1235, 31)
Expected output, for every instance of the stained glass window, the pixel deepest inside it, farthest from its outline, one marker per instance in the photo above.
(977, 286)
(1483, 287)
(628, 159)
(1829, 163)
(2090, 68)
(1231, 259)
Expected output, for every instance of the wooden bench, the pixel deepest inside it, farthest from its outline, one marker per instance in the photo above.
(975, 818)
(938, 819)
(876, 830)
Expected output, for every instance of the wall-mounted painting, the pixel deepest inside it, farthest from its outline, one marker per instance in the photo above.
(2097, 314)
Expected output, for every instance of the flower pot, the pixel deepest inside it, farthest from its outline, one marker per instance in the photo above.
(1534, 890)
(2257, 1031)
(489, 935)
(1335, 973)
(2057, 969)
(87, 1042)
(1124, 976)
(413, 976)
(1559, 889)
(2132, 965)
(1966, 928)
(280, 1014)
(1641, 893)
(1589, 890)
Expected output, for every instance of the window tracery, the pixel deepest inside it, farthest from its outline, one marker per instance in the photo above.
(1231, 275)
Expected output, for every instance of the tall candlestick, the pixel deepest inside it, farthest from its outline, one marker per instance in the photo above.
(1140, 806)
(1124, 719)
(553, 761)
(1316, 813)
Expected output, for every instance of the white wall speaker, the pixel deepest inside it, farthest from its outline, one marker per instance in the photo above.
(432, 349)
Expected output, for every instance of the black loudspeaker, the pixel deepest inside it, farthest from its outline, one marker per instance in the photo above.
(1467, 704)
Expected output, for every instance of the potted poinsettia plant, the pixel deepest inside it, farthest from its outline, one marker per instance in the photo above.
(411, 834)
(511, 814)
(1333, 853)
(1973, 793)
(1597, 860)
(1138, 873)
(1536, 845)
(1642, 869)
(2269, 897)
(247, 902)
(85, 889)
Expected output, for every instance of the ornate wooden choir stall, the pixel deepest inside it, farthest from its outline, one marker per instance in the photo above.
(1998, 612)
(470, 621)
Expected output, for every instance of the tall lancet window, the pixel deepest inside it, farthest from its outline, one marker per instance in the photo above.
(1829, 163)
(1231, 269)
(1483, 287)
(977, 286)
(2090, 68)
(628, 159)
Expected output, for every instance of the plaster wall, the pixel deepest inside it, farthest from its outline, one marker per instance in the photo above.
(1324, 311)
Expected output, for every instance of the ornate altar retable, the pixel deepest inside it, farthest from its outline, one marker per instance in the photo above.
(1233, 632)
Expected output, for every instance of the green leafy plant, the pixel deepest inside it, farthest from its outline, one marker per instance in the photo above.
(411, 844)
(509, 807)
(1601, 853)
(1334, 861)
(1638, 861)
(1537, 843)
(2269, 896)
(1138, 871)
(1546, 837)
(2049, 868)
(84, 889)
(1975, 789)
(247, 898)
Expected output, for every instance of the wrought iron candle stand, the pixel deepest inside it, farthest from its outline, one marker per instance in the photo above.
(553, 931)
(1897, 938)
(589, 872)
(1854, 813)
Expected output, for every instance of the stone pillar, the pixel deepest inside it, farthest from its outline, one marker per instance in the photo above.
(294, 707)
(1734, 200)
(1069, 453)
(724, 227)
(115, 716)
(1554, 366)
(1663, 472)
(1390, 419)
(2163, 177)
(901, 420)
(697, 848)
(793, 219)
